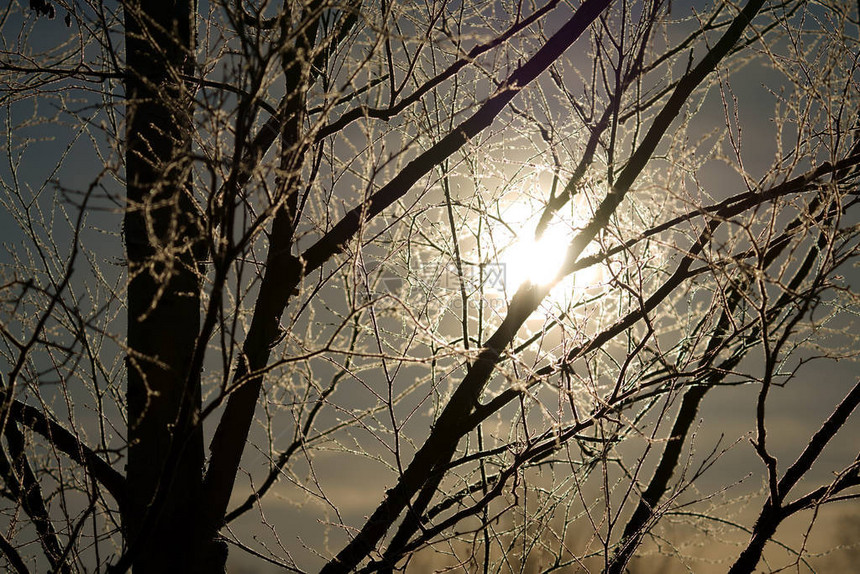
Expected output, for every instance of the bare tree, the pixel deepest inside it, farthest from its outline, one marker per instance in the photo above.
(492, 256)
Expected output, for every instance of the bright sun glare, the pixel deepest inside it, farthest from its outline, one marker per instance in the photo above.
(539, 261)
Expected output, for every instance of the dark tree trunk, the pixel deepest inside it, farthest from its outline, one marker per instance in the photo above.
(162, 238)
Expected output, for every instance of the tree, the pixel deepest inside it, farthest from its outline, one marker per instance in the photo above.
(503, 252)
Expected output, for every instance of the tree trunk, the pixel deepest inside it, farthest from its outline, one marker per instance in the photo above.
(162, 238)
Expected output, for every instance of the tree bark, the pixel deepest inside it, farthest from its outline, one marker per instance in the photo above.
(162, 240)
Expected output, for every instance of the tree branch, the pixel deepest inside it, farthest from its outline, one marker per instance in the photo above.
(66, 442)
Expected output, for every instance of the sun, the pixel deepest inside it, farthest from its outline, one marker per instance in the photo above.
(534, 260)
(539, 260)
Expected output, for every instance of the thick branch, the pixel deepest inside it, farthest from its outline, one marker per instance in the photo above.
(449, 72)
(64, 441)
(13, 556)
(19, 478)
(772, 514)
